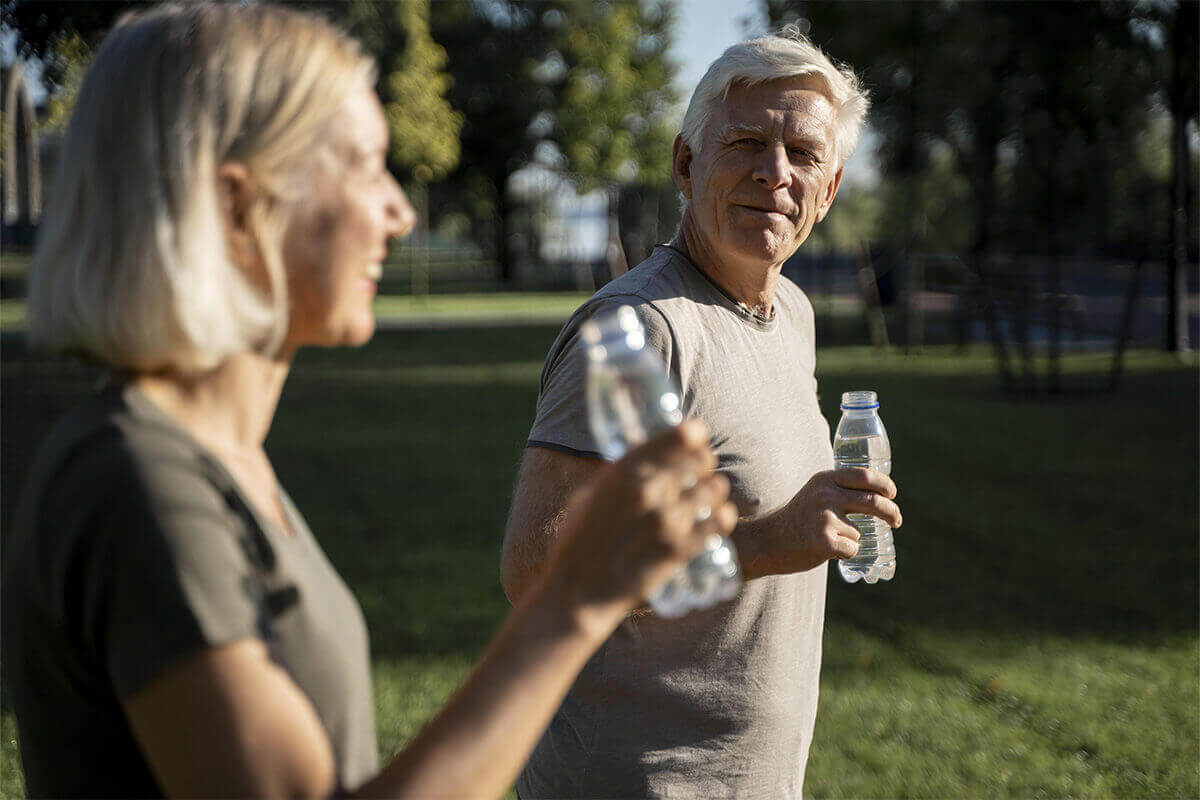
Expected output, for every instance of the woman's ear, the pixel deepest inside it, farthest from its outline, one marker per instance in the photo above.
(236, 195)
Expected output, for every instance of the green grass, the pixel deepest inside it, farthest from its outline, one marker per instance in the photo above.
(526, 307)
(1040, 638)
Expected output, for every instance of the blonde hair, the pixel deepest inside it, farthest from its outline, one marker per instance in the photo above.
(131, 265)
(786, 54)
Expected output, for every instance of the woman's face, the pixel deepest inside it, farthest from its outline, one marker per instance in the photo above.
(335, 243)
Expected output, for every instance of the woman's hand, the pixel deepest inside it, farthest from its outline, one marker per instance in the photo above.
(639, 520)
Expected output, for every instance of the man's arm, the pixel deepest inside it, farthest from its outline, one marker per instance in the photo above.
(545, 483)
(805, 533)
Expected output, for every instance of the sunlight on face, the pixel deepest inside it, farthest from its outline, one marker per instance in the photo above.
(764, 174)
(337, 241)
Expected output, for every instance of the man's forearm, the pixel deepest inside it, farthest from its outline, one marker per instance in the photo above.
(775, 544)
(751, 538)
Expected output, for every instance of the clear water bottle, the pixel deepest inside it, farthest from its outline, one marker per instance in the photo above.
(861, 441)
(631, 398)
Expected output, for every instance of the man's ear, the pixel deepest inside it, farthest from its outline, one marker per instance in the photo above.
(236, 194)
(830, 193)
(681, 165)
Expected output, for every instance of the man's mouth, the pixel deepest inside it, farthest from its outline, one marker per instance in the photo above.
(783, 212)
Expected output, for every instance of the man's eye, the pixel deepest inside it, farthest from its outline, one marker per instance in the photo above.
(800, 154)
(746, 142)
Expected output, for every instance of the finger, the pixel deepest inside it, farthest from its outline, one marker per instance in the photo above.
(870, 503)
(708, 493)
(723, 520)
(867, 479)
(687, 441)
(846, 537)
(841, 525)
(845, 547)
(700, 513)
(707, 533)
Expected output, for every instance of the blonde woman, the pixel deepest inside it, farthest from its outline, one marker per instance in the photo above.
(171, 626)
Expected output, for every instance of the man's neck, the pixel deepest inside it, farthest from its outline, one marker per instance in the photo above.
(751, 285)
(229, 408)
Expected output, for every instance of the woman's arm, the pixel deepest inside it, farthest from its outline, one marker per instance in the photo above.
(230, 722)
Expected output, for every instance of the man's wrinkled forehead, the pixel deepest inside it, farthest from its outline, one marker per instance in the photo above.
(756, 107)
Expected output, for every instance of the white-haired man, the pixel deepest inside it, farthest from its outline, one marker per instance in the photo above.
(721, 702)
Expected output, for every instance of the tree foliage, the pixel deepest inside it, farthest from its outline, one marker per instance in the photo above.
(1041, 104)
(413, 82)
(587, 82)
(615, 116)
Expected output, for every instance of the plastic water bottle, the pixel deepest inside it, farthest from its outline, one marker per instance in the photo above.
(861, 441)
(631, 398)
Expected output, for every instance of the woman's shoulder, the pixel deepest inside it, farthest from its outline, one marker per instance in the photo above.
(111, 477)
(113, 442)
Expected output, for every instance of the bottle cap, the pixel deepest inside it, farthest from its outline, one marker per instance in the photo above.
(859, 401)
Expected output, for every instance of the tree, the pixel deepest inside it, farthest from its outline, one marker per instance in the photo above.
(1184, 102)
(615, 119)
(498, 56)
(1041, 104)
(412, 81)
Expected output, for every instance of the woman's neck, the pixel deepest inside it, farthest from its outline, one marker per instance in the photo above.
(229, 408)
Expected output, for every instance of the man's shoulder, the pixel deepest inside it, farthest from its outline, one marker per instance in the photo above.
(651, 288)
(664, 276)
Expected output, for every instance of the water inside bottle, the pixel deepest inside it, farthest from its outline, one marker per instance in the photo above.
(876, 557)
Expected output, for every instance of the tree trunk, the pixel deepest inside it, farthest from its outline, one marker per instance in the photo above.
(504, 259)
(1177, 318)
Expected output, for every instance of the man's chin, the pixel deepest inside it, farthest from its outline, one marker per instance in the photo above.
(767, 247)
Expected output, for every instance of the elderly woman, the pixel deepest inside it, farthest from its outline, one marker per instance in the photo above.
(170, 624)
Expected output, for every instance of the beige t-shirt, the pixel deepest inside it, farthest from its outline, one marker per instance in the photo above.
(720, 703)
(133, 548)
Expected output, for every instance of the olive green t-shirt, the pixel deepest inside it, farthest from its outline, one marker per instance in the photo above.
(133, 548)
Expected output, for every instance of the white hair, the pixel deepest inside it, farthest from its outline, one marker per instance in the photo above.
(131, 266)
(776, 56)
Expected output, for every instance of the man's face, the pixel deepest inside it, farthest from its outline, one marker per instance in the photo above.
(764, 173)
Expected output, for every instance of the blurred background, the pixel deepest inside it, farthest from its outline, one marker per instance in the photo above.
(1011, 263)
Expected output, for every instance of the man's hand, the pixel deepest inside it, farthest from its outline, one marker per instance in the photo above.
(812, 528)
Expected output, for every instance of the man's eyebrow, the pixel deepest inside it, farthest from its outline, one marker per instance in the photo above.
(731, 131)
(812, 141)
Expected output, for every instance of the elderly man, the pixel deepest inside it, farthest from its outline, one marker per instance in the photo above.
(721, 702)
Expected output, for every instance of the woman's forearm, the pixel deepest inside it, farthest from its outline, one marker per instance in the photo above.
(479, 741)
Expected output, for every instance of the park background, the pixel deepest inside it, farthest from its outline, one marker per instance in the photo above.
(1011, 264)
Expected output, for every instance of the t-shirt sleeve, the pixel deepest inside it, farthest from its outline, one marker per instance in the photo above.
(170, 570)
(561, 422)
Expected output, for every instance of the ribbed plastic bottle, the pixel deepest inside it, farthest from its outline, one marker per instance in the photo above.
(862, 441)
(630, 398)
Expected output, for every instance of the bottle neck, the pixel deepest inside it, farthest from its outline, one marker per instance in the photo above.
(860, 413)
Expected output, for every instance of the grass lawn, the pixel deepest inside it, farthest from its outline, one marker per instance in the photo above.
(1040, 638)
(400, 310)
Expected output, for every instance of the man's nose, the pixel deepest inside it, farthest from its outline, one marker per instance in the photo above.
(774, 168)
